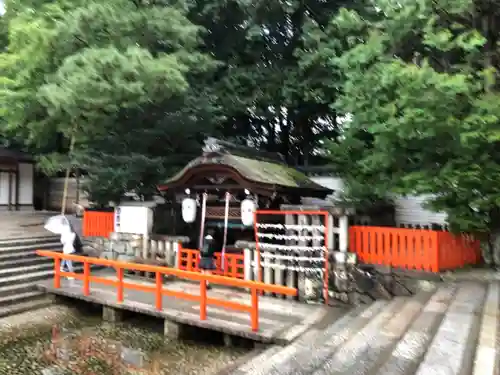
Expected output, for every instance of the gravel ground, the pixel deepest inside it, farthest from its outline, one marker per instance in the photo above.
(58, 341)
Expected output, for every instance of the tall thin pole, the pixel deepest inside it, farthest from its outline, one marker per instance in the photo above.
(66, 179)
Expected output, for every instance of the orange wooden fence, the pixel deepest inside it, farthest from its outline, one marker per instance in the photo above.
(413, 249)
(98, 223)
(158, 288)
(233, 263)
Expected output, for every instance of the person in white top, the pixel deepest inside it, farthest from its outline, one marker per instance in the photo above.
(67, 240)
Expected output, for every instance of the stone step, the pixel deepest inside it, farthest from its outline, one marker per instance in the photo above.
(28, 241)
(487, 348)
(448, 329)
(5, 252)
(411, 348)
(347, 355)
(21, 297)
(26, 254)
(24, 261)
(452, 348)
(370, 350)
(32, 277)
(315, 347)
(18, 288)
(18, 308)
(312, 348)
(21, 268)
(22, 254)
(25, 270)
(258, 360)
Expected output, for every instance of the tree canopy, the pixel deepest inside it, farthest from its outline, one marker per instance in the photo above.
(398, 96)
(233, 68)
(420, 80)
(112, 76)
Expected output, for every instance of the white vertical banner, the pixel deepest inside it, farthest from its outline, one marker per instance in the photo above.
(203, 215)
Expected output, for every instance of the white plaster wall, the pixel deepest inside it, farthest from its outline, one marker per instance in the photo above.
(4, 188)
(409, 210)
(26, 183)
(26, 176)
(334, 183)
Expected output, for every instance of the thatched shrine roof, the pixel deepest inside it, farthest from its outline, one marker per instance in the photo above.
(223, 161)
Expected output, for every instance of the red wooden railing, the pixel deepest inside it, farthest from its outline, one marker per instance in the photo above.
(98, 223)
(457, 251)
(413, 249)
(158, 288)
(234, 264)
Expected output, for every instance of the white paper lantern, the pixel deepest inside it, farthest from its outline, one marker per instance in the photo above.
(189, 210)
(248, 207)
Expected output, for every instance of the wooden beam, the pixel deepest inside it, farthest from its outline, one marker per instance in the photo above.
(10, 191)
(222, 189)
(18, 182)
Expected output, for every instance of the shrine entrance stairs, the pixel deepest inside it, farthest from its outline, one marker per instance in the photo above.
(450, 329)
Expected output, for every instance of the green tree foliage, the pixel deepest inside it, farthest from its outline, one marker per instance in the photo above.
(269, 84)
(272, 91)
(421, 83)
(119, 77)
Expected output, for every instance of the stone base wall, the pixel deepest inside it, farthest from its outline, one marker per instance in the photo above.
(155, 249)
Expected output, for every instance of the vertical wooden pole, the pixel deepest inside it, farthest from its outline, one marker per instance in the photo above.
(10, 190)
(18, 183)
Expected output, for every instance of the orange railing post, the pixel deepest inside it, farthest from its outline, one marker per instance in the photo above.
(158, 289)
(57, 273)
(86, 278)
(119, 286)
(254, 314)
(203, 300)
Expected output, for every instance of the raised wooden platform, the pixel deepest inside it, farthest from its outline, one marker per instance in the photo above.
(280, 320)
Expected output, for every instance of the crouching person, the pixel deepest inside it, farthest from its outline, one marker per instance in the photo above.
(207, 264)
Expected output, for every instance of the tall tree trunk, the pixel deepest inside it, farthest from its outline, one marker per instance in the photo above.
(66, 178)
(493, 240)
(285, 136)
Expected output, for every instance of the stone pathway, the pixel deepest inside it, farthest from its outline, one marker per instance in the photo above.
(451, 329)
(23, 224)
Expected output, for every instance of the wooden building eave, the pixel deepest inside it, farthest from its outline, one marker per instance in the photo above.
(197, 179)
